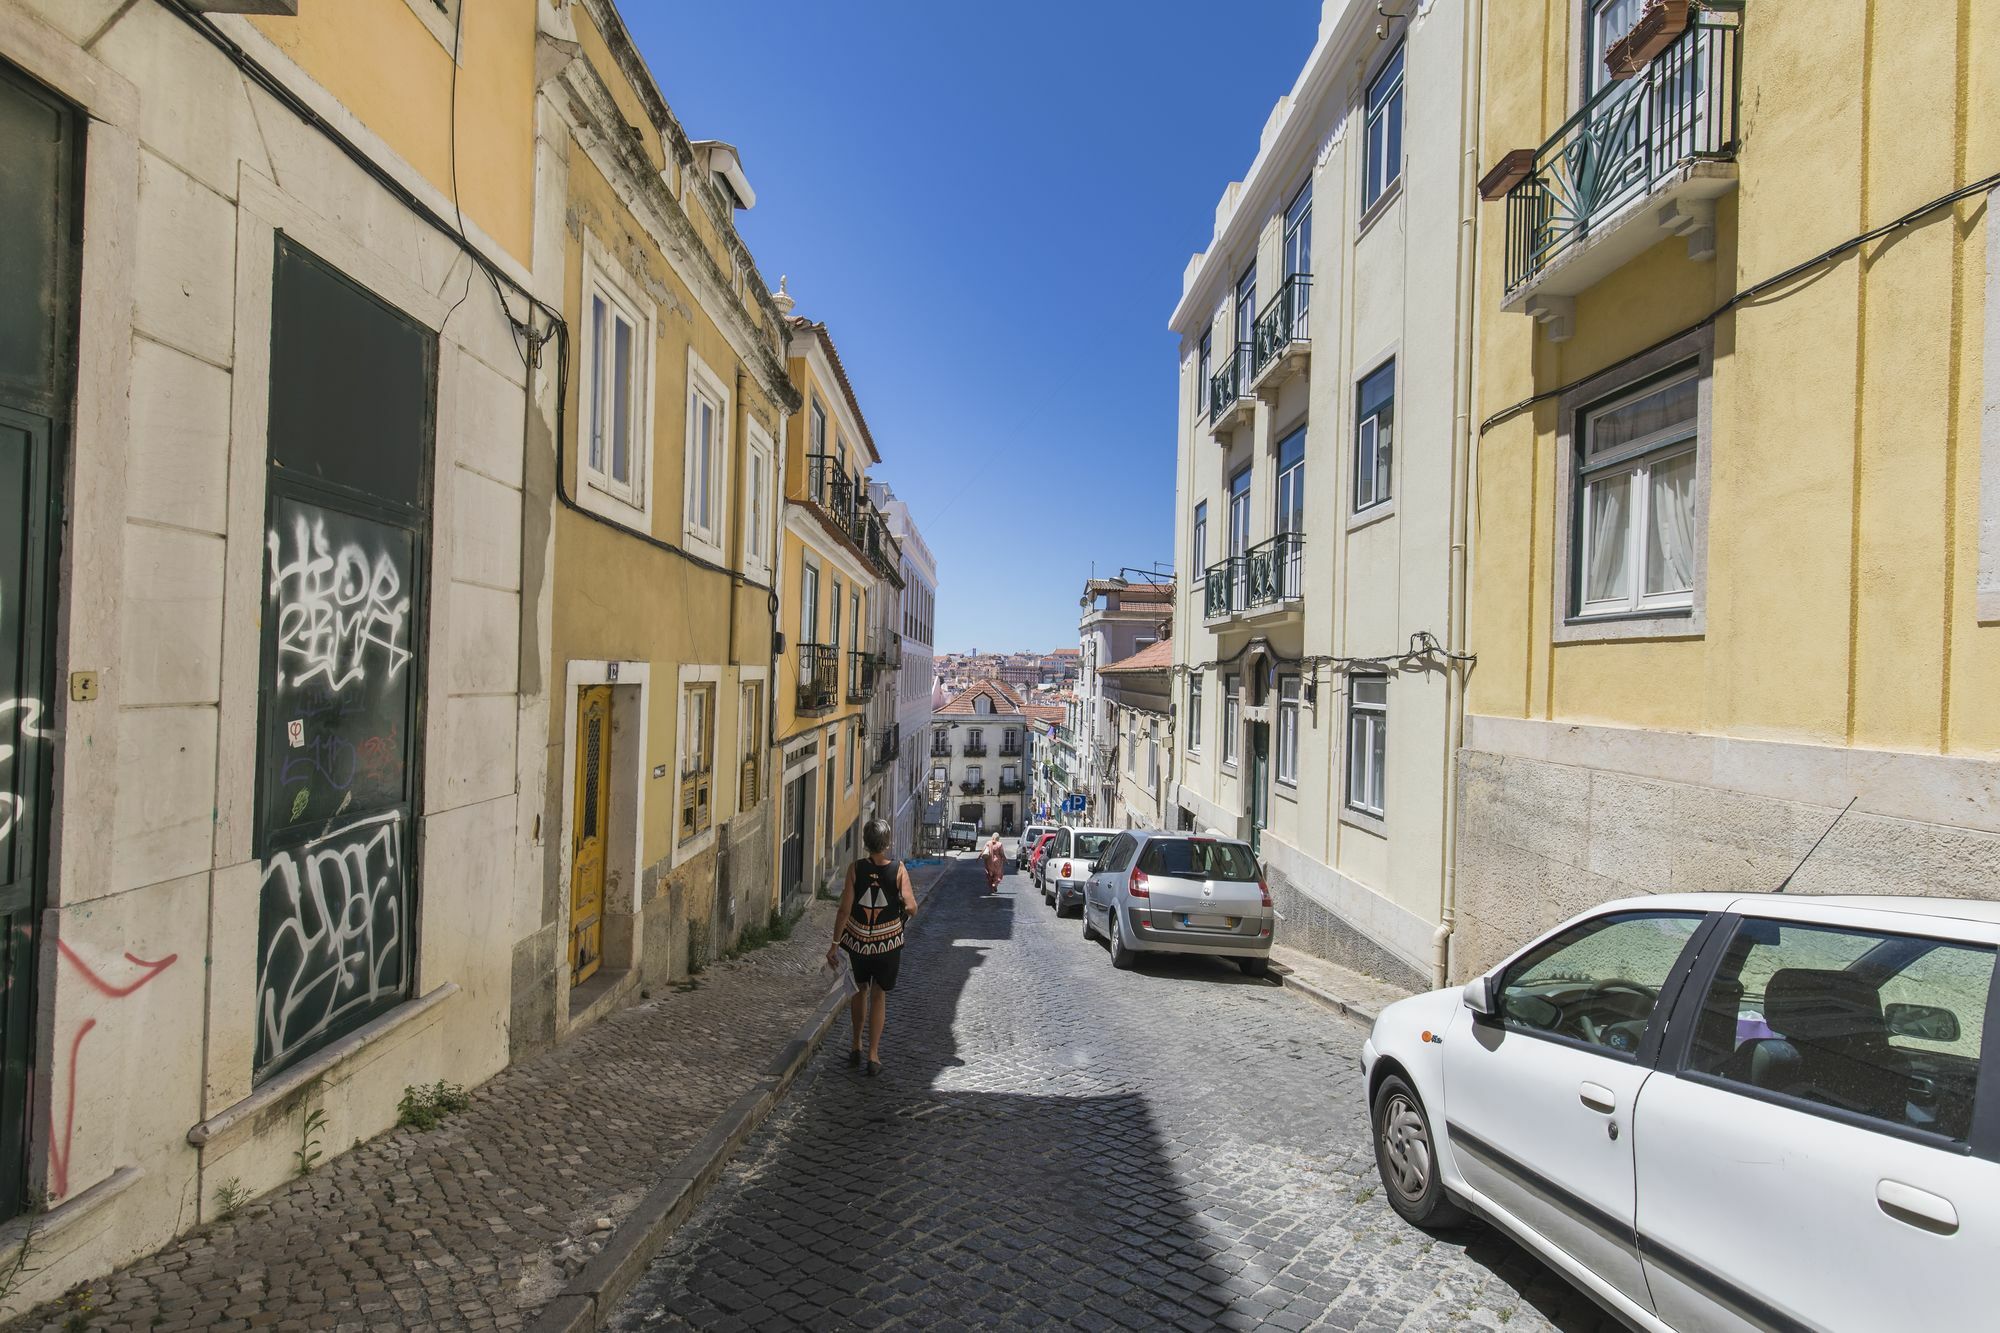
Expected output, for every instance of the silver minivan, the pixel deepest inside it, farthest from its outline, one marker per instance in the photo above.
(1066, 865)
(1180, 893)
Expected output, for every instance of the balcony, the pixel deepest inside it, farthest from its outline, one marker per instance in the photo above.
(940, 746)
(1010, 748)
(1645, 158)
(1282, 347)
(975, 749)
(860, 676)
(819, 678)
(830, 487)
(888, 745)
(1274, 573)
(1220, 583)
(1229, 398)
(1010, 786)
(972, 787)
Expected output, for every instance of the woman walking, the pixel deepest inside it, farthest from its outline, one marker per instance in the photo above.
(995, 857)
(875, 906)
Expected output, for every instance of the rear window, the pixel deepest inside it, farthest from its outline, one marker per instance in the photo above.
(1195, 858)
(1090, 846)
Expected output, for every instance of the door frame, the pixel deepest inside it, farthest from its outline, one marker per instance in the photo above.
(624, 851)
(608, 752)
(1258, 807)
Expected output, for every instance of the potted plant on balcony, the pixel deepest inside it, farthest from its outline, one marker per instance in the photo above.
(1655, 31)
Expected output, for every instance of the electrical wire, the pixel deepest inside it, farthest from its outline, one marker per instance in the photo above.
(1425, 652)
(1751, 293)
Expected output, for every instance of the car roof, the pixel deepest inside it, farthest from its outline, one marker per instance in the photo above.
(1173, 835)
(1087, 829)
(1982, 910)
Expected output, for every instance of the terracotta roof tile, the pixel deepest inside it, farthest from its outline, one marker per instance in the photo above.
(1156, 656)
(1005, 702)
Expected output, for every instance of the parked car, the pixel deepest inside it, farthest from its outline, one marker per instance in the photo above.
(1026, 846)
(1038, 856)
(1715, 1111)
(962, 834)
(1066, 865)
(1180, 893)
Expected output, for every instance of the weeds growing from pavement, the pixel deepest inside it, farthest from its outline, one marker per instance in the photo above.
(425, 1108)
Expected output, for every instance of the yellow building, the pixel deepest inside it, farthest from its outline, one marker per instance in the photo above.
(1737, 509)
(838, 563)
(260, 820)
(657, 574)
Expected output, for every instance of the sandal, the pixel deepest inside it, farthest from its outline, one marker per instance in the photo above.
(874, 1068)
(854, 1058)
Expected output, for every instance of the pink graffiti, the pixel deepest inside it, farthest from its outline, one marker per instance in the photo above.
(59, 1150)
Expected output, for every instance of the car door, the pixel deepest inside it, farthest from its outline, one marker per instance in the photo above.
(1812, 1156)
(1100, 891)
(1538, 1096)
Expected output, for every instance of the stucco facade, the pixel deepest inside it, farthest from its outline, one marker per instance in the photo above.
(1318, 513)
(1820, 635)
(978, 748)
(232, 805)
(913, 621)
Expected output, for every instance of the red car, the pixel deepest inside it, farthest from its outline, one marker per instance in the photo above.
(1035, 856)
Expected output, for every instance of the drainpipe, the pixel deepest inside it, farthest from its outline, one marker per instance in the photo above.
(1462, 468)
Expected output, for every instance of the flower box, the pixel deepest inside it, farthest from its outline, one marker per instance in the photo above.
(1663, 21)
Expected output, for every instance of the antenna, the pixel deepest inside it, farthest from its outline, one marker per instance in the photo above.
(1785, 883)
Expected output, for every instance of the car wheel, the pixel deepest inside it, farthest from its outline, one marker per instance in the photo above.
(1122, 958)
(1254, 967)
(1089, 931)
(1406, 1158)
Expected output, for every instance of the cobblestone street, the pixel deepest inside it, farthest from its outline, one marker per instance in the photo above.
(1051, 1140)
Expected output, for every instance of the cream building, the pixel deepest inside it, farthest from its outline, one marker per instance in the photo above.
(1319, 511)
(978, 751)
(909, 637)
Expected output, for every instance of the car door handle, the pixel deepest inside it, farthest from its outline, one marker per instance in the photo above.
(1918, 1208)
(1598, 1097)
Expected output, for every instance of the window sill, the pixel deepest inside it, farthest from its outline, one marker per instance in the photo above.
(1367, 823)
(708, 549)
(1383, 203)
(1686, 623)
(439, 25)
(592, 497)
(1373, 514)
(1287, 789)
(280, 1086)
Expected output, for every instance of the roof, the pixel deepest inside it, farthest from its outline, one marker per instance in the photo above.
(1005, 702)
(803, 325)
(1066, 652)
(1155, 656)
(1050, 713)
(1146, 592)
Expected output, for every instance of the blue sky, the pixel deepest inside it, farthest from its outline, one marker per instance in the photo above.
(991, 206)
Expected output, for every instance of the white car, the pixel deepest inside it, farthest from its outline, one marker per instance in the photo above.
(1066, 865)
(1720, 1112)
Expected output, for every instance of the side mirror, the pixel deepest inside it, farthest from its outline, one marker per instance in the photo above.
(1480, 997)
(1092, 867)
(1921, 1022)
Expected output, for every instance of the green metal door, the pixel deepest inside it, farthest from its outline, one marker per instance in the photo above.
(38, 219)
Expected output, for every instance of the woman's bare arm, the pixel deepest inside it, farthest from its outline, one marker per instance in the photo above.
(909, 893)
(840, 917)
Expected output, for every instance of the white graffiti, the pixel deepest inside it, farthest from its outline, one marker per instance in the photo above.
(13, 805)
(339, 944)
(333, 607)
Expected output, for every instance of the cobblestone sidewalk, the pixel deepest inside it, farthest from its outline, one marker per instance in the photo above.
(477, 1224)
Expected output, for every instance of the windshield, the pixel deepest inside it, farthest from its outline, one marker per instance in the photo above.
(1090, 846)
(961, 828)
(1199, 858)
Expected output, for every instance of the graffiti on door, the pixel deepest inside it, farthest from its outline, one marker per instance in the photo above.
(335, 938)
(19, 718)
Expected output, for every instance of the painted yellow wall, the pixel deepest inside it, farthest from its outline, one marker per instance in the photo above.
(386, 67)
(1842, 530)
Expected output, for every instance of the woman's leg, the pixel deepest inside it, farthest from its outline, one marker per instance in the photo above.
(857, 1009)
(878, 1014)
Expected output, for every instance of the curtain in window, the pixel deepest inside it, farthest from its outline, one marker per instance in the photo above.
(1608, 514)
(1670, 535)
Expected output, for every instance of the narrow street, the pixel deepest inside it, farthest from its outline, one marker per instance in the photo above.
(1053, 1140)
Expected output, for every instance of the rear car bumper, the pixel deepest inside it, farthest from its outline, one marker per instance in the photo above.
(1067, 893)
(1253, 940)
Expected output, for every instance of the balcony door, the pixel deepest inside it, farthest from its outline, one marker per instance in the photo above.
(809, 603)
(1239, 535)
(1290, 519)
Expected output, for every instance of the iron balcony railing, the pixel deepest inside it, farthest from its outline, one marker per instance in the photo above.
(860, 676)
(1010, 747)
(1009, 786)
(819, 677)
(973, 787)
(888, 744)
(1283, 321)
(1274, 571)
(1630, 135)
(975, 749)
(831, 488)
(940, 746)
(1230, 383)
(1222, 593)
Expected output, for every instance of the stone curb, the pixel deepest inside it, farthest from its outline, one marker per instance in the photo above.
(608, 1278)
(1363, 1014)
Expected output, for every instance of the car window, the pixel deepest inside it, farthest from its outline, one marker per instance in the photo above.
(1119, 854)
(1597, 982)
(1061, 845)
(1200, 858)
(1877, 1025)
(1090, 846)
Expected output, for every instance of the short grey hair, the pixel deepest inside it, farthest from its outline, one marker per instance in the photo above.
(876, 835)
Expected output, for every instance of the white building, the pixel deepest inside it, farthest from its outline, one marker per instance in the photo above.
(979, 751)
(1320, 331)
(1119, 619)
(911, 636)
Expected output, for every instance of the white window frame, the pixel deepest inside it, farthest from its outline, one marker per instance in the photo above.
(760, 503)
(1366, 788)
(1199, 569)
(630, 501)
(750, 730)
(1368, 443)
(1194, 712)
(1153, 757)
(1285, 760)
(1632, 464)
(694, 676)
(705, 386)
(1232, 716)
(697, 728)
(1377, 115)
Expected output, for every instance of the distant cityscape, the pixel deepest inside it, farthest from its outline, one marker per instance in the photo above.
(1028, 674)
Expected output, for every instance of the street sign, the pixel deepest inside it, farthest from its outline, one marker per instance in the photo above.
(1073, 804)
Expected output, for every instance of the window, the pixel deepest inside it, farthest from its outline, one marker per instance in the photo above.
(1882, 1026)
(1298, 238)
(1288, 730)
(1595, 984)
(1152, 756)
(1635, 501)
(816, 442)
(1383, 164)
(707, 479)
(757, 526)
(1200, 858)
(833, 623)
(1232, 706)
(750, 735)
(616, 373)
(809, 602)
(1246, 317)
(854, 619)
(1367, 742)
(1605, 22)
(853, 749)
(1199, 570)
(1239, 512)
(1131, 745)
(697, 729)
(1194, 713)
(1204, 372)
(1374, 432)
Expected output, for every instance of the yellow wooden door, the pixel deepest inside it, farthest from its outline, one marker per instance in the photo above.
(593, 808)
